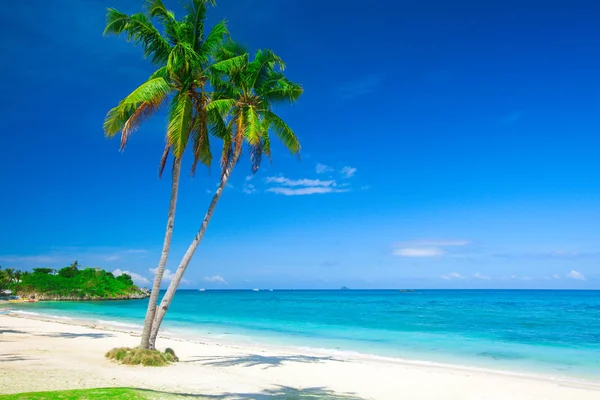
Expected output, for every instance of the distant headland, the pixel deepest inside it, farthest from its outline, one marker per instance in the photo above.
(69, 283)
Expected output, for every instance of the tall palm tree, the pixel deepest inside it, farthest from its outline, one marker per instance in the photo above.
(245, 92)
(182, 53)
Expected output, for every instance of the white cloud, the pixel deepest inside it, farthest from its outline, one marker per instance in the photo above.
(305, 191)
(249, 177)
(452, 275)
(477, 275)
(168, 275)
(249, 188)
(419, 252)
(322, 168)
(556, 276)
(137, 278)
(299, 182)
(441, 243)
(208, 191)
(215, 279)
(426, 248)
(576, 275)
(348, 171)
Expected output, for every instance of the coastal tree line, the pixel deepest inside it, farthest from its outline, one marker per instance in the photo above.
(211, 88)
(70, 282)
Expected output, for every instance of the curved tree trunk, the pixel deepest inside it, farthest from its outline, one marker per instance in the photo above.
(166, 301)
(160, 269)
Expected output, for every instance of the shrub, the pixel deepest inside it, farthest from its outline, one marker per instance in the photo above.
(137, 356)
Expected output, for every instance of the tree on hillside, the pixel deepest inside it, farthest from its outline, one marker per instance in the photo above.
(244, 94)
(69, 271)
(182, 53)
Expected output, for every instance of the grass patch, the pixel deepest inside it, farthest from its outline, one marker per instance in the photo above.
(86, 394)
(137, 356)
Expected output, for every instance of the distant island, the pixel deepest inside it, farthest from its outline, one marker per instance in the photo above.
(70, 283)
(344, 288)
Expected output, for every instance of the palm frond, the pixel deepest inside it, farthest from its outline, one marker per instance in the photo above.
(163, 160)
(145, 110)
(285, 92)
(116, 22)
(282, 130)
(157, 9)
(231, 65)
(144, 100)
(140, 30)
(264, 62)
(199, 131)
(180, 118)
(229, 50)
(195, 18)
(222, 106)
(213, 40)
(252, 126)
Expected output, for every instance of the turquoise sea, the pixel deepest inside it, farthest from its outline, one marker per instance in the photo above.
(523, 331)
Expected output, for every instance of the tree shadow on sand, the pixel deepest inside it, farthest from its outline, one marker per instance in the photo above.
(280, 392)
(253, 360)
(14, 357)
(68, 335)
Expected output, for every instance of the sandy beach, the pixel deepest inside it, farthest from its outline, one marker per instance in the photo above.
(38, 355)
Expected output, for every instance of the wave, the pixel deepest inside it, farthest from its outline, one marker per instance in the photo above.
(24, 312)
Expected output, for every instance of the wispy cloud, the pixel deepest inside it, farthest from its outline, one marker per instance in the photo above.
(477, 275)
(348, 171)
(298, 182)
(322, 168)
(452, 276)
(303, 187)
(419, 252)
(578, 276)
(554, 254)
(215, 279)
(137, 278)
(360, 87)
(249, 178)
(168, 275)
(305, 190)
(426, 248)
(249, 188)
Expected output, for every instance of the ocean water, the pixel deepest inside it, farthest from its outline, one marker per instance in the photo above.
(523, 331)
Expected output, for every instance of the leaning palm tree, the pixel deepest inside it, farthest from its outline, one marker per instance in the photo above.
(182, 53)
(244, 94)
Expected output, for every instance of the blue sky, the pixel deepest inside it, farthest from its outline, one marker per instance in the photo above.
(445, 145)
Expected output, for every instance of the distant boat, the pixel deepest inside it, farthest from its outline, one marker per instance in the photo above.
(202, 290)
(406, 290)
(255, 290)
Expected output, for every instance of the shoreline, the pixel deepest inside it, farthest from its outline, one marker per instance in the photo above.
(116, 326)
(327, 360)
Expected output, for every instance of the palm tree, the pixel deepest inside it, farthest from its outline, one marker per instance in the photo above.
(245, 92)
(182, 53)
(10, 275)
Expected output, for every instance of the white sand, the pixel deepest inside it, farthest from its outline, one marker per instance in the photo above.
(42, 355)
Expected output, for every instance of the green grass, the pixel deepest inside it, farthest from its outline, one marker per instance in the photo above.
(137, 356)
(87, 394)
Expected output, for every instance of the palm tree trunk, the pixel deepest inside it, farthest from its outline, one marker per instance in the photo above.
(160, 269)
(166, 301)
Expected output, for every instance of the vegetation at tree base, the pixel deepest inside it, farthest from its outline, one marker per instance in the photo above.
(213, 89)
(70, 283)
(97, 394)
(145, 357)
